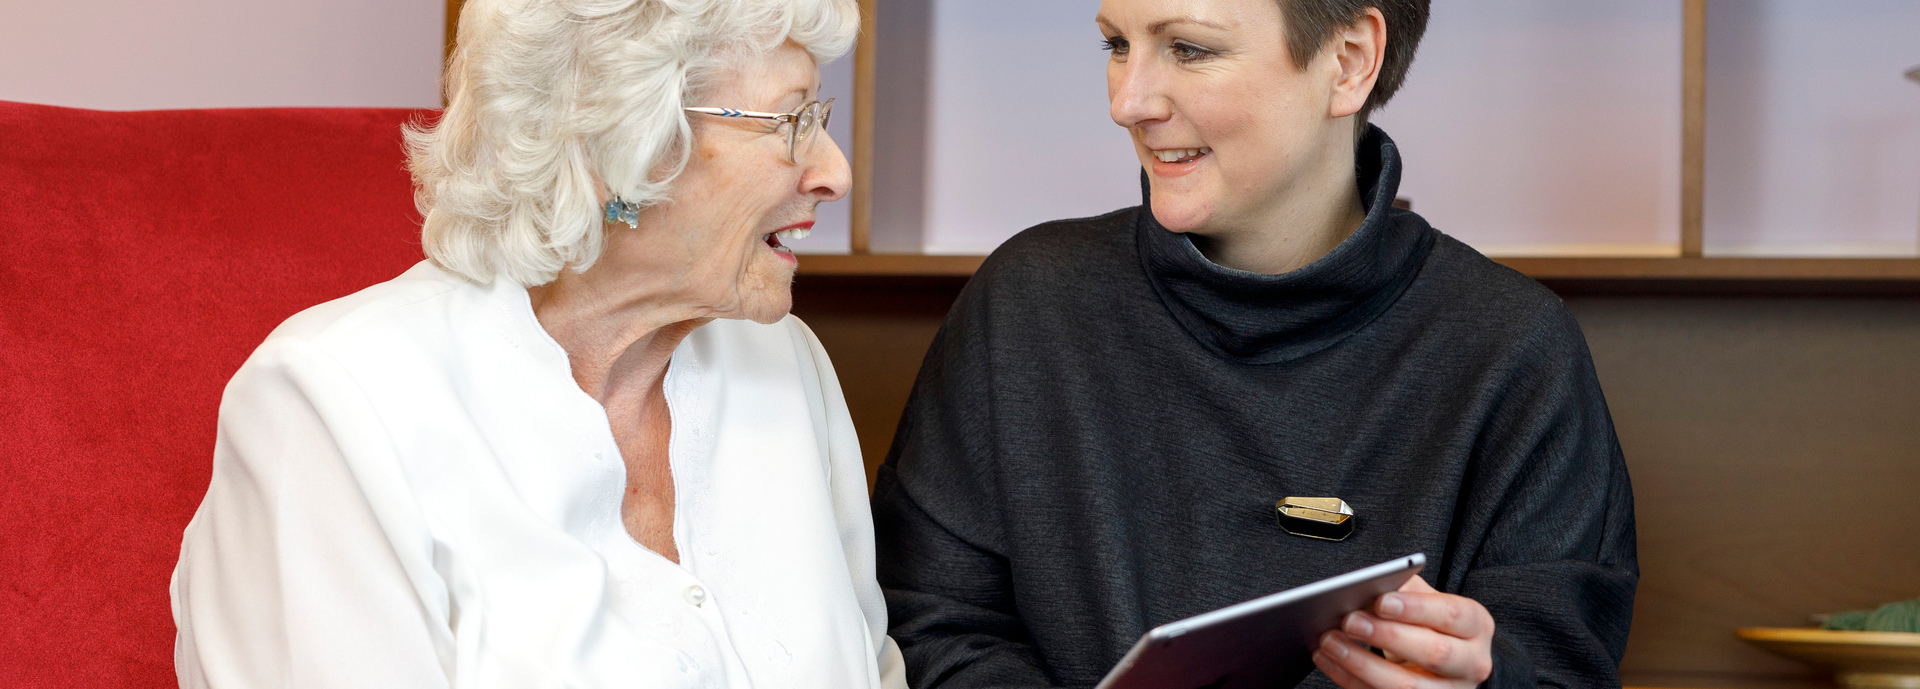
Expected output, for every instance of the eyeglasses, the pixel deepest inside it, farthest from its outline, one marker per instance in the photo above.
(802, 124)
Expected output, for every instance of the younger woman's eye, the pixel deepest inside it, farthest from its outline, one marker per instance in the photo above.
(1188, 52)
(1116, 45)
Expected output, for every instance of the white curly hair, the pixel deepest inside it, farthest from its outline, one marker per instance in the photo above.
(548, 99)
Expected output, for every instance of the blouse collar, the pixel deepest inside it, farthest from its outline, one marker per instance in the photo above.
(1263, 319)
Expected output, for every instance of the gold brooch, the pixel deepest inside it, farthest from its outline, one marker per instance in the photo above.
(1328, 519)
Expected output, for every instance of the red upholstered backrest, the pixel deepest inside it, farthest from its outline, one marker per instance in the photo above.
(143, 255)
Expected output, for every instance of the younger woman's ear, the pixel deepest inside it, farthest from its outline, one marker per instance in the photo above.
(1357, 50)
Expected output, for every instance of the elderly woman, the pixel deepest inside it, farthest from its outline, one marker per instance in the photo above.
(1115, 405)
(583, 444)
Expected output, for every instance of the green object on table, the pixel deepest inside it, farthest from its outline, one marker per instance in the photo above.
(1903, 616)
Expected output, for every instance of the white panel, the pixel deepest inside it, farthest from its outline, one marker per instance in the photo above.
(1020, 131)
(1813, 136)
(832, 222)
(1546, 126)
(143, 54)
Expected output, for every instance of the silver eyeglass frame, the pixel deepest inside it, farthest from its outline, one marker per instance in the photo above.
(801, 123)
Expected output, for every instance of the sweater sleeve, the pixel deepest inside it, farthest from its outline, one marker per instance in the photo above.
(947, 578)
(1548, 492)
(306, 565)
(951, 603)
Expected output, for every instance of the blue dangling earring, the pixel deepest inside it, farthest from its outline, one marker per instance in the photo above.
(623, 211)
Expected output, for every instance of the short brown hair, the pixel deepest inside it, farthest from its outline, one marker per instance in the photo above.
(1311, 23)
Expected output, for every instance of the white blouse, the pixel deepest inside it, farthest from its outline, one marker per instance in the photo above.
(409, 490)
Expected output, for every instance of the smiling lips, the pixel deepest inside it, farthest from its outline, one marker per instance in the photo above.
(1176, 162)
(1181, 155)
(789, 233)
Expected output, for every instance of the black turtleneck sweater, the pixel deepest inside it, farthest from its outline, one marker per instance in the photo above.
(1100, 431)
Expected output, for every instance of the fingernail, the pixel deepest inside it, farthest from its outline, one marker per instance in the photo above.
(1332, 647)
(1359, 626)
(1391, 605)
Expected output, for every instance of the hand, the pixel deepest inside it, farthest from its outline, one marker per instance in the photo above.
(1431, 640)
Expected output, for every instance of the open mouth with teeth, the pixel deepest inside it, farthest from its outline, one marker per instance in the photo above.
(790, 234)
(1181, 155)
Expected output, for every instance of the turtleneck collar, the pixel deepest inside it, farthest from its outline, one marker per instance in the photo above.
(1264, 319)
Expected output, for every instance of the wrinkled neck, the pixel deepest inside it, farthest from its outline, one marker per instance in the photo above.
(617, 349)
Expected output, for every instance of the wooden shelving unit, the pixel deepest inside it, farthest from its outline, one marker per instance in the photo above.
(1559, 269)
(1766, 269)
(1567, 275)
(889, 265)
(1690, 272)
(916, 265)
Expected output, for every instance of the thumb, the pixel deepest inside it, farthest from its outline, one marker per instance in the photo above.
(1417, 585)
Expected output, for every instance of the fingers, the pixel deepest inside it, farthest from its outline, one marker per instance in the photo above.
(1337, 672)
(1424, 634)
(1449, 614)
(1352, 667)
(1441, 654)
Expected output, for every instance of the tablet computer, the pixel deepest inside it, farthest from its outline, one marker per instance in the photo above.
(1265, 642)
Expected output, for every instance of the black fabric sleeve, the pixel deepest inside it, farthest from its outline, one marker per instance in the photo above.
(1549, 495)
(950, 604)
(941, 559)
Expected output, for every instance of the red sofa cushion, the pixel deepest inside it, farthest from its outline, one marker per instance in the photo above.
(143, 255)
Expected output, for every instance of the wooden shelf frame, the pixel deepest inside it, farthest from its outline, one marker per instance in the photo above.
(453, 29)
(1573, 275)
(865, 66)
(1742, 269)
(1693, 128)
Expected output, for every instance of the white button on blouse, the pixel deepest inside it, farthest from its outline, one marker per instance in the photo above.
(409, 490)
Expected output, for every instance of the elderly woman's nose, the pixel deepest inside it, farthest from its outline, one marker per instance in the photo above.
(1135, 96)
(828, 176)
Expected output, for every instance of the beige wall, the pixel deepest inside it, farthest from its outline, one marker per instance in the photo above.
(144, 54)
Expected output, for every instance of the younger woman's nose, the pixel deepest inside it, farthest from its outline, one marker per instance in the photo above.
(1133, 95)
